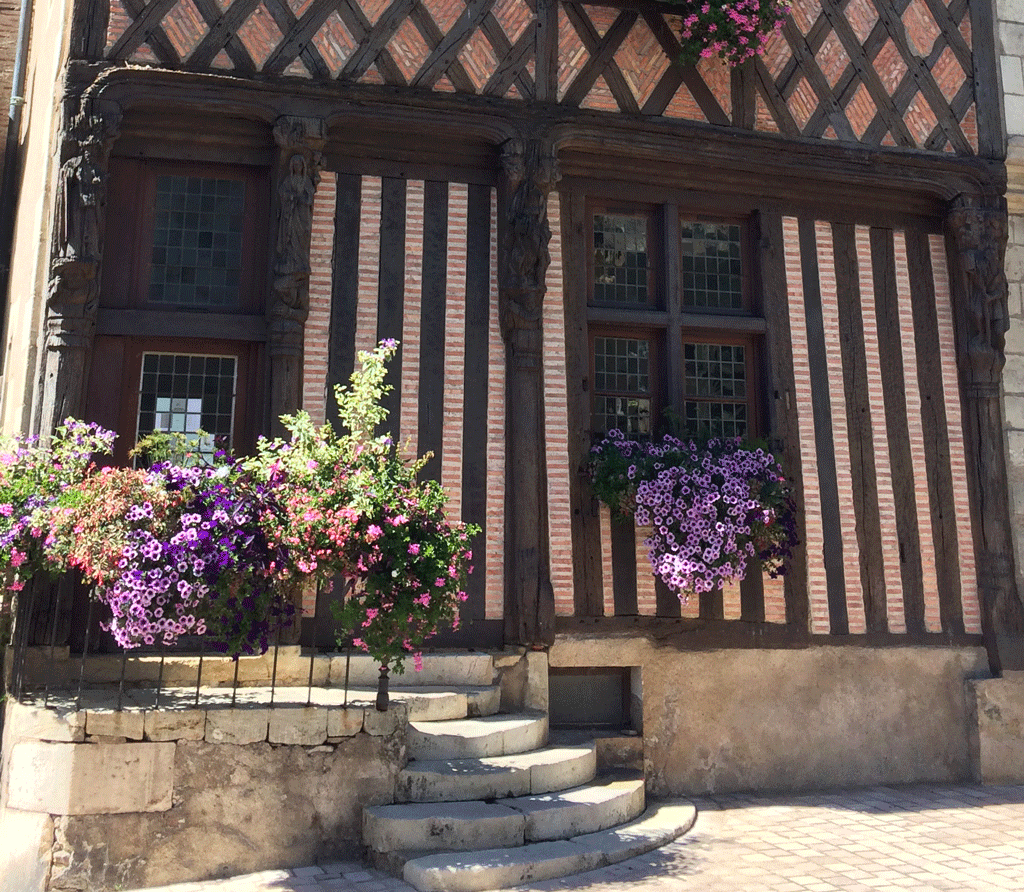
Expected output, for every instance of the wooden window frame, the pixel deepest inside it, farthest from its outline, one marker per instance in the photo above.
(126, 366)
(129, 245)
(655, 339)
(666, 323)
(655, 278)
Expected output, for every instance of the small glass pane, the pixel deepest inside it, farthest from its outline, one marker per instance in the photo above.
(711, 266)
(620, 259)
(715, 385)
(206, 419)
(192, 214)
(622, 364)
(622, 385)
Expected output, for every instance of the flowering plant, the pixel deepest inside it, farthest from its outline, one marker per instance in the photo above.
(734, 30)
(216, 550)
(178, 551)
(711, 507)
(34, 481)
(352, 507)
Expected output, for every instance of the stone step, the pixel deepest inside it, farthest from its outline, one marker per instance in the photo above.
(497, 777)
(437, 704)
(462, 826)
(501, 868)
(494, 735)
(444, 669)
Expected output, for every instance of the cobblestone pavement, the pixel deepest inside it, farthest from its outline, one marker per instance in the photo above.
(920, 838)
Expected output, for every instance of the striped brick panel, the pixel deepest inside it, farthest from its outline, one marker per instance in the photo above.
(495, 601)
(321, 250)
(896, 512)
(817, 582)
(369, 264)
(890, 548)
(455, 333)
(424, 271)
(957, 458)
(932, 620)
(411, 317)
(837, 402)
(556, 421)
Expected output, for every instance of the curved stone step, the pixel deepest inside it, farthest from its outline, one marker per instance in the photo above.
(436, 704)
(457, 668)
(500, 868)
(461, 826)
(496, 777)
(494, 735)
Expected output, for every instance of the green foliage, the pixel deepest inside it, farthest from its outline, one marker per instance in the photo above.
(354, 509)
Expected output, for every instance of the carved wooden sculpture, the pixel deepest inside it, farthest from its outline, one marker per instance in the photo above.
(978, 231)
(299, 141)
(73, 290)
(530, 173)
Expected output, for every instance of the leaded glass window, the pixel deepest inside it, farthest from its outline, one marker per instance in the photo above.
(197, 241)
(715, 389)
(711, 263)
(191, 395)
(621, 267)
(623, 385)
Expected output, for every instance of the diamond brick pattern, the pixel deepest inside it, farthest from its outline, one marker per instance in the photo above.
(876, 72)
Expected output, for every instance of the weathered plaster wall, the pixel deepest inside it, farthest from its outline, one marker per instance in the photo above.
(8, 40)
(794, 719)
(166, 796)
(1010, 44)
(41, 123)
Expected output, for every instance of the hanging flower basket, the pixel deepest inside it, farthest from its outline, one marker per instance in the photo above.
(732, 30)
(714, 509)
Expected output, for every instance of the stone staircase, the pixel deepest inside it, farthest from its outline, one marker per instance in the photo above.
(486, 802)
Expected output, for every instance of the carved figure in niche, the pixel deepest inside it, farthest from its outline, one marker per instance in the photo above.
(79, 195)
(981, 236)
(296, 220)
(531, 172)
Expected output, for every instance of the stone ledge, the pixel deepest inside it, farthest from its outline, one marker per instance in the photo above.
(91, 778)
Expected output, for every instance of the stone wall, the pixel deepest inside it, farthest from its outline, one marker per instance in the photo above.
(95, 799)
(9, 10)
(1010, 44)
(822, 717)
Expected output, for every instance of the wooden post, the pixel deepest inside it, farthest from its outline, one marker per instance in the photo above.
(299, 162)
(530, 173)
(72, 295)
(976, 235)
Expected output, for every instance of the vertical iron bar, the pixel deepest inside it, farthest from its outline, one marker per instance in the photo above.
(120, 683)
(348, 663)
(53, 643)
(199, 673)
(85, 653)
(273, 673)
(234, 682)
(312, 651)
(24, 607)
(160, 676)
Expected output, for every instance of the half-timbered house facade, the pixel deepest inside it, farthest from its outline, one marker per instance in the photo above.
(569, 232)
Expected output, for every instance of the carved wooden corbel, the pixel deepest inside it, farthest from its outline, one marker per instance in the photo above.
(530, 170)
(978, 229)
(76, 249)
(299, 163)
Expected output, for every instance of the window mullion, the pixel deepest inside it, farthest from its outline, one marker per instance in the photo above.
(673, 383)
